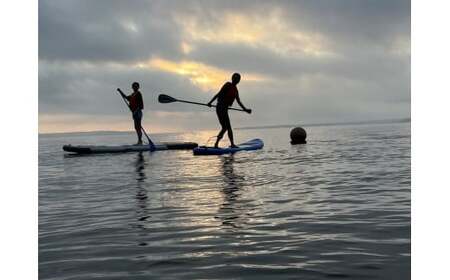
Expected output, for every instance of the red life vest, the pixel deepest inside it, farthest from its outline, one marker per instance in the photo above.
(227, 94)
(136, 101)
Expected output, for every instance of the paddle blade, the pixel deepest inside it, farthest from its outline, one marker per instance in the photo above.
(162, 98)
(152, 147)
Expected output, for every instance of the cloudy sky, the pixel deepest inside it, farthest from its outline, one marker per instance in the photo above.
(300, 61)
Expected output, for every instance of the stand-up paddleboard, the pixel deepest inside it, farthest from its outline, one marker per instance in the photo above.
(254, 144)
(94, 149)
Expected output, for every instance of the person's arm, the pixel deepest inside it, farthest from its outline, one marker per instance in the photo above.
(123, 95)
(221, 91)
(212, 100)
(242, 105)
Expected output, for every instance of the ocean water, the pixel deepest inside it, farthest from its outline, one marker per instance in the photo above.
(337, 207)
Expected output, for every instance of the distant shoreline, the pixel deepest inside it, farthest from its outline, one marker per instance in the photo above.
(403, 120)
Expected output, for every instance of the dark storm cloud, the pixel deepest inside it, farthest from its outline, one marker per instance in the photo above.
(103, 31)
(95, 30)
(369, 19)
(88, 48)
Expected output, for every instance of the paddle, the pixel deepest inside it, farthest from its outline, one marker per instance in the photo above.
(150, 142)
(162, 98)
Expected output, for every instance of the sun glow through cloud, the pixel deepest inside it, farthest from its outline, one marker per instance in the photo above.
(300, 61)
(204, 76)
(268, 31)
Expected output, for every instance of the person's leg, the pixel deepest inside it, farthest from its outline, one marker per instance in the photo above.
(230, 131)
(219, 137)
(221, 117)
(138, 126)
(230, 136)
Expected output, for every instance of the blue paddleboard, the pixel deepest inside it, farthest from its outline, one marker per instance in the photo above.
(254, 144)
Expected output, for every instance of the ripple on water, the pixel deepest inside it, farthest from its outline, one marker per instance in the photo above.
(336, 208)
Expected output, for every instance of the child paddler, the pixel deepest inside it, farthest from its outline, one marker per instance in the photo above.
(136, 104)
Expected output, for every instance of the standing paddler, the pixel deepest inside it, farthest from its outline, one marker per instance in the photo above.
(136, 105)
(225, 98)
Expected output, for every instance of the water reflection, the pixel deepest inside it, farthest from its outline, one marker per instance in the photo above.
(141, 194)
(301, 212)
(140, 167)
(230, 211)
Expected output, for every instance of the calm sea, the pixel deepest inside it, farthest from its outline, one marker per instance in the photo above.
(337, 207)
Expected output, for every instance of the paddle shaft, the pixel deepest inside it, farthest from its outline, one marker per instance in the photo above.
(204, 104)
(128, 105)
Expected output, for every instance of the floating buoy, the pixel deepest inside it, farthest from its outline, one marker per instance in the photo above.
(298, 136)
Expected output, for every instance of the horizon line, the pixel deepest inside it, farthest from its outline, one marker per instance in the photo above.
(399, 120)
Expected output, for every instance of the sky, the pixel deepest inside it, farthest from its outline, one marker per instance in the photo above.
(301, 61)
